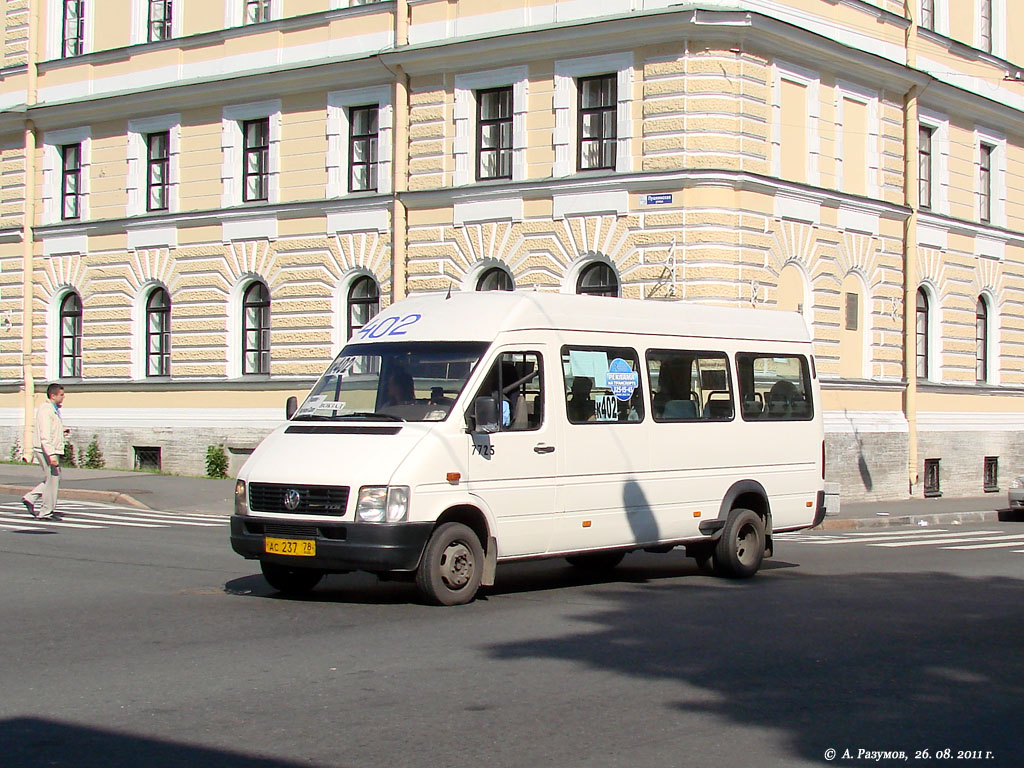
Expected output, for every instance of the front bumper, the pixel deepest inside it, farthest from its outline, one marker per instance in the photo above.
(374, 547)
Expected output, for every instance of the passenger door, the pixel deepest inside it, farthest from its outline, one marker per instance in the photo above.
(514, 469)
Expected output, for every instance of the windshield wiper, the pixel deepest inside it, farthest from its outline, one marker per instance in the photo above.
(368, 415)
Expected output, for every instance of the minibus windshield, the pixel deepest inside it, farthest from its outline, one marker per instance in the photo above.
(415, 381)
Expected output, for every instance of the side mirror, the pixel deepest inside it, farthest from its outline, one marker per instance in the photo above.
(484, 417)
(290, 407)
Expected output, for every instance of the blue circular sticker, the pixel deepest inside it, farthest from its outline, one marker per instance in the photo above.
(622, 380)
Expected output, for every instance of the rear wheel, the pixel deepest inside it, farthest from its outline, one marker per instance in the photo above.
(290, 581)
(452, 565)
(596, 561)
(740, 549)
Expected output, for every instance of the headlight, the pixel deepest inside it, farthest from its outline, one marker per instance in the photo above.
(241, 507)
(1017, 482)
(382, 503)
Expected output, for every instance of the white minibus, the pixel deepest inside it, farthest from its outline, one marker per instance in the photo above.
(453, 433)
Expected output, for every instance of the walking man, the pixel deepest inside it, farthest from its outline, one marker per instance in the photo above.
(49, 447)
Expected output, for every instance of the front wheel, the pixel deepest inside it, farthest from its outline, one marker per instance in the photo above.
(740, 549)
(452, 565)
(290, 581)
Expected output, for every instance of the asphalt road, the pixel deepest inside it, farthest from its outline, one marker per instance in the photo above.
(157, 646)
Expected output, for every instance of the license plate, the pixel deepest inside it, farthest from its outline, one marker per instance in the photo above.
(295, 547)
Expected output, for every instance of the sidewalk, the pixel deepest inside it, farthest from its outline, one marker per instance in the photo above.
(174, 493)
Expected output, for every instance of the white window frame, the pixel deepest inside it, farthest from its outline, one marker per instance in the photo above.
(939, 124)
(869, 98)
(338, 105)
(811, 80)
(464, 147)
(139, 322)
(53, 330)
(935, 324)
(55, 27)
(993, 331)
(567, 71)
(53, 166)
(340, 307)
(138, 156)
(140, 20)
(232, 147)
(998, 13)
(234, 12)
(997, 176)
(941, 14)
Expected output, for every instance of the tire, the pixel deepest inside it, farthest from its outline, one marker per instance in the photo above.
(740, 549)
(290, 581)
(452, 565)
(596, 561)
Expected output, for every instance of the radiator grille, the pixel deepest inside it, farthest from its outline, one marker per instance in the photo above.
(313, 499)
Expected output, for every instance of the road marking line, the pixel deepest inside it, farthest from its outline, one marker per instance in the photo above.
(1019, 541)
(947, 540)
(164, 520)
(35, 521)
(115, 520)
(898, 538)
(911, 532)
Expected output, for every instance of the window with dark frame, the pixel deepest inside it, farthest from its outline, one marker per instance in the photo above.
(921, 335)
(363, 303)
(985, 183)
(985, 25)
(147, 457)
(73, 29)
(852, 311)
(602, 384)
(928, 14)
(598, 279)
(70, 350)
(495, 279)
(689, 385)
(159, 20)
(257, 11)
(158, 158)
(597, 125)
(494, 134)
(71, 181)
(991, 474)
(256, 330)
(516, 382)
(255, 174)
(774, 387)
(932, 478)
(362, 148)
(158, 333)
(924, 166)
(981, 340)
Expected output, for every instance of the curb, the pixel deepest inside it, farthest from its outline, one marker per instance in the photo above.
(111, 497)
(894, 520)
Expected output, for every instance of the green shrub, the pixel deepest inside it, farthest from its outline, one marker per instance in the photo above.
(216, 461)
(15, 454)
(68, 459)
(93, 455)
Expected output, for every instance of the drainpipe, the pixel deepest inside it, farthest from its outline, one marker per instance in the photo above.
(400, 160)
(911, 191)
(27, 239)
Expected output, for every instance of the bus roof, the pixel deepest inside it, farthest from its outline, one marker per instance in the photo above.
(481, 316)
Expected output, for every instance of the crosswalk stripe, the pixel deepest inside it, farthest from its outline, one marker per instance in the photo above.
(911, 532)
(114, 520)
(1003, 545)
(947, 540)
(33, 522)
(903, 539)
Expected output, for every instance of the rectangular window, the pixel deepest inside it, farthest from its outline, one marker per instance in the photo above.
(73, 29)
(597, 127)
(363, 142)
(157, 165)
(494, 134)
(602, 384)
(516, 382)
(159, 20)
(985, 183)
(255, 176)
(852, 311)
(932, 478)
(924, 166)
(991, 474)
(921, 335)
(147, 457)
(257, 11)
(689, 386)
(985, 25)
(928, 14)
(71, 181)
(794, 130)
(774, 387)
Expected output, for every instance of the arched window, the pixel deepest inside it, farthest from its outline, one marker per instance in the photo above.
(70, 349)
(598, 279)
(256, 329)
(981, 340)
(495, 279)
(363, 303)
(922, 328)
(158, 333)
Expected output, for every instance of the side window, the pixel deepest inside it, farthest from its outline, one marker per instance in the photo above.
(517, 377)
(774, 387)
(689, 386)
(602, 384)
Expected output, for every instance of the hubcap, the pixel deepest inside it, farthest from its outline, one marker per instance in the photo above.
(456, 565)
(746, 545)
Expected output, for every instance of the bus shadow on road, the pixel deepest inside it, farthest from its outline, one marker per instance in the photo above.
(30, 742)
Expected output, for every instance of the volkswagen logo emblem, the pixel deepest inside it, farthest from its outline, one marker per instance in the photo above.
(291, 499)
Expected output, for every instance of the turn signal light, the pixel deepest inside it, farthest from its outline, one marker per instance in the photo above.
(453, 477)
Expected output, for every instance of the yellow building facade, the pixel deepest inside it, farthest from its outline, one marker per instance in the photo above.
(199, 201)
